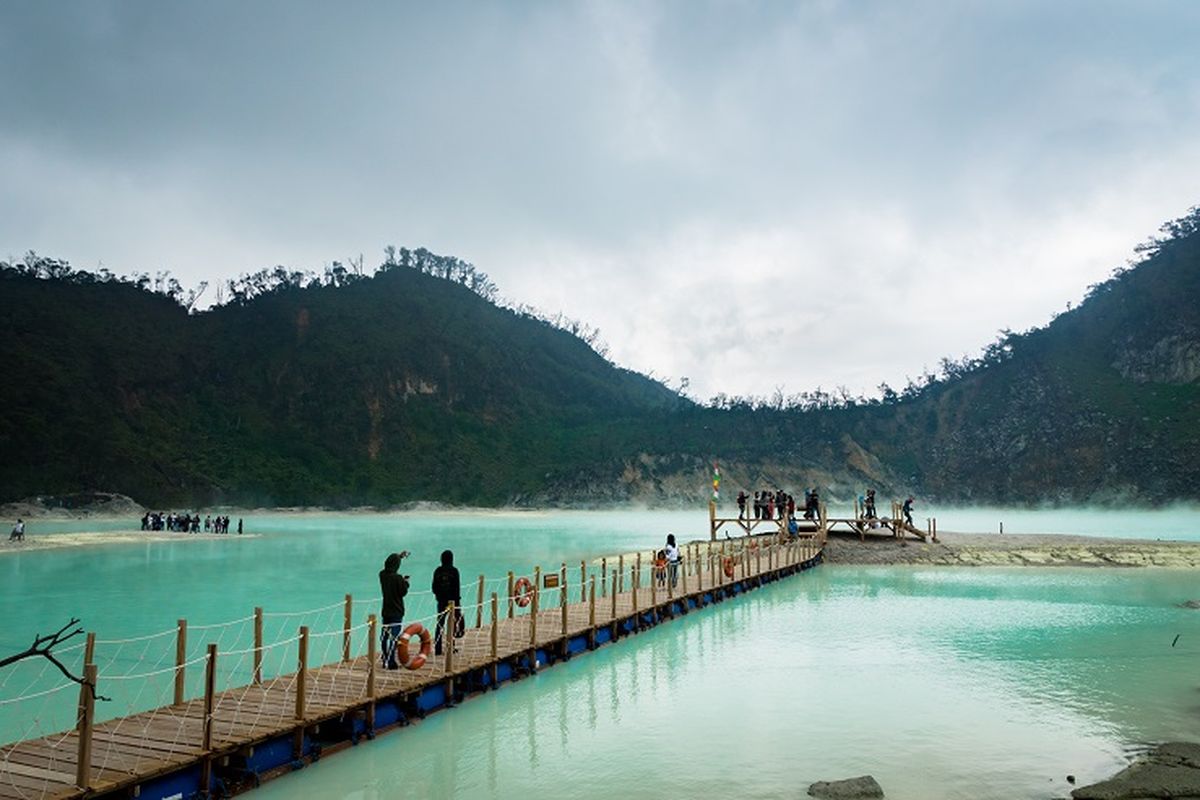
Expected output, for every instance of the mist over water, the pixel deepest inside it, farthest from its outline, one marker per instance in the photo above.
(941, 682)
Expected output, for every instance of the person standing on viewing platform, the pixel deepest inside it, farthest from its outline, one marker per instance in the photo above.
(393, 586)
(672, 551)
(741, 501)
(869, 505)
(446, 589)
(907, 510)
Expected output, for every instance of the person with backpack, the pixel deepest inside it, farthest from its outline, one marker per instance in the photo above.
(446, 589)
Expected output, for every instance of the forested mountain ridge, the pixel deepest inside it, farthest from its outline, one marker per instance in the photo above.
(397, 387)
(411, 386)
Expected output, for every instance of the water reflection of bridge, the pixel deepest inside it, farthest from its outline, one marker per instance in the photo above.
(267, 705)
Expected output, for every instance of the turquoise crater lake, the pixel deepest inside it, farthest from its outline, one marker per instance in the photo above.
(941, 682)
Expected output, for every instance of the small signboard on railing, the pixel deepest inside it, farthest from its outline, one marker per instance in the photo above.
(550, 581)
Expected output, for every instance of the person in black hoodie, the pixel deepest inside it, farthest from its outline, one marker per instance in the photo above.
(394, 586)
(446, 590)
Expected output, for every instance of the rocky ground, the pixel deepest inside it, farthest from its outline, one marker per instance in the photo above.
(1002, 550)
(1170, 770)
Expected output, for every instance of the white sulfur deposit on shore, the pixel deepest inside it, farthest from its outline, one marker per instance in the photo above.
(1013, 550)
(55, 541)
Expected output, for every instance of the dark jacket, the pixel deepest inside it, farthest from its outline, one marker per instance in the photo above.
(445, 581)
(394, 587)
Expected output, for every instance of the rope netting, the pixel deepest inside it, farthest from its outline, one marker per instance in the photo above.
(142, 711)
(154, 685)
(41, 759)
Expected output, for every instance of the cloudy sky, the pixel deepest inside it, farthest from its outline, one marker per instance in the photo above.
(751, 195)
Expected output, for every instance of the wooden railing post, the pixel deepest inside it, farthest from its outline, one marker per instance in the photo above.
(634, 579)
(583, 581)
(495, 632)
(562, 601)
(592, 602)
(372, 665)
(495, 627)
(89, 649)
(533, 616)
(180, 660)
(87, 705)
(258, 644)
(210, 694)
(303, 675)
(654, 581)
(614, 597)
(510, 594)
(621, 570)
(479, 605)
(685, 566)
(347, 617)
(603, 576)
(448, 624)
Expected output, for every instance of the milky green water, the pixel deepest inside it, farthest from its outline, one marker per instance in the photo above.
(940, 682)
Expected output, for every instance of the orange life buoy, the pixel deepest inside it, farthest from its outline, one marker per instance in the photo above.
(422, 655)
(523, 592)
(727, 566)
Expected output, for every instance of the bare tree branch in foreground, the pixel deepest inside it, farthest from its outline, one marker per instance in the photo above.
(44, 646)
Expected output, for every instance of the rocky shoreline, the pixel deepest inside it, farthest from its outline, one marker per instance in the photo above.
(1013, 550)
(1170, 770)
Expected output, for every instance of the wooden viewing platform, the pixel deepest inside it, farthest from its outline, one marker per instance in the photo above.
(822, 525)
(226, 741)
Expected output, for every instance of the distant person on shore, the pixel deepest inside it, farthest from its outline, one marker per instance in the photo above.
(907, 510)
(741, 501)
(869, 505)
(672, 553)
(18, 531)
(446, 589)
(393, 586)
(239, 526)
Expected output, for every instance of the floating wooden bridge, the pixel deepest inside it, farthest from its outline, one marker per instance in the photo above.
(251, 722)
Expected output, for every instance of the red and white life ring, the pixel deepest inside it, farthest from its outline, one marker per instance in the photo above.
(422, 655)
(523, 592)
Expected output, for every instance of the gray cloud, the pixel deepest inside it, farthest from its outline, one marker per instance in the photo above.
(750, 194)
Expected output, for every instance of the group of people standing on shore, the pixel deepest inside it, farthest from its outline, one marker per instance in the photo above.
(446, 587)
(186, 523)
